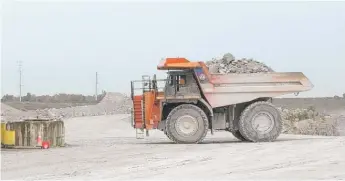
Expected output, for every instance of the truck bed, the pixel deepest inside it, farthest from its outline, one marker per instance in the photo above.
(228, 89)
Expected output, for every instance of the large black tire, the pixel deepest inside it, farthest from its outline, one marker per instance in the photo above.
(238, 135)
(249, 126)
(168, 136)
(186, 114)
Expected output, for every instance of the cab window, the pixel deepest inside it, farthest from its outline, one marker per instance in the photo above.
(182, 80)
(171, 80)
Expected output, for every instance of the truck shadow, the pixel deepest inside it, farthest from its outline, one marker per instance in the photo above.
(113, 141)
(233, 141)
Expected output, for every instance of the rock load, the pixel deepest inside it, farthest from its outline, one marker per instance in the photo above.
(228, 64)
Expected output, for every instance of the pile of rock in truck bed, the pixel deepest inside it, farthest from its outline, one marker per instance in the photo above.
(228, 64)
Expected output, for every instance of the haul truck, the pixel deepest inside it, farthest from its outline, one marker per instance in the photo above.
(194, 101)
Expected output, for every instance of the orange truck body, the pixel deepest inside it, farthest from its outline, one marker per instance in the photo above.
(216, 89)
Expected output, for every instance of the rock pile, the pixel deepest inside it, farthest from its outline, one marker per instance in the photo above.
(228, 64)
(112, 103)
(300, 114)
(310, 122)
(10, 113)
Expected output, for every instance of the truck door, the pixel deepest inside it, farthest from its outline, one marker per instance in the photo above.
(181, 85)
(186, 86)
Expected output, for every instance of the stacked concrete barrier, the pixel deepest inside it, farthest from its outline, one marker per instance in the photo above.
(28, 132)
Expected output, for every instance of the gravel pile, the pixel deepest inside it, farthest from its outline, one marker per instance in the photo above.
(112, 103)
(228, 64)
(9, 113)
(310, 122)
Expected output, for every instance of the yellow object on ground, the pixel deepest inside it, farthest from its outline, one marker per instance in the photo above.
(7, 136)
(3, 129)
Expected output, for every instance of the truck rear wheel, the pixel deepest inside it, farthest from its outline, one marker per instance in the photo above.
(186, 123)
(260, 122)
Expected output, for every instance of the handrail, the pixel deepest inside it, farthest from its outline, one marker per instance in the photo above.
(132, 90)
(147, 85)
(143, 88)
(148, 80)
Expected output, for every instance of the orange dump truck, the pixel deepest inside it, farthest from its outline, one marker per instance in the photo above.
(192, 101)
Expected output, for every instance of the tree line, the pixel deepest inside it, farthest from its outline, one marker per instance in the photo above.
(57, 98)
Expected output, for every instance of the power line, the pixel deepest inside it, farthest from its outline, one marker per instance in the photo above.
(20, 79)
(96, 93)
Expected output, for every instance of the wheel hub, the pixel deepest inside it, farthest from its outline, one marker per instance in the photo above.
(263, 122)
(186, 125)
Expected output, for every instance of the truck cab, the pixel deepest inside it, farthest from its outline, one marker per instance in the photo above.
(181, 85)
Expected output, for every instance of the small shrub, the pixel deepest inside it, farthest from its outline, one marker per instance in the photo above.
(337, 97)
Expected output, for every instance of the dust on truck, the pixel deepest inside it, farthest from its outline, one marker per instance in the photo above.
(194, 101)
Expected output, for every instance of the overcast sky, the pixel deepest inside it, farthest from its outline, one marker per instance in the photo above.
(63, 44)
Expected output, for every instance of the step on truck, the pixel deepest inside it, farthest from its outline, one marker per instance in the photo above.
(191, 101)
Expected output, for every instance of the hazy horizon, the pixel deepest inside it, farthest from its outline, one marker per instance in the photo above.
(62, 45)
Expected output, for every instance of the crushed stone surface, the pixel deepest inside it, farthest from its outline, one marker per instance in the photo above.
(106, 148)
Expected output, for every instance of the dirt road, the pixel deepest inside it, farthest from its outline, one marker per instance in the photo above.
(105, 148)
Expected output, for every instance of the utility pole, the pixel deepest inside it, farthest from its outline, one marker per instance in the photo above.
(96, 95)
(20, 80)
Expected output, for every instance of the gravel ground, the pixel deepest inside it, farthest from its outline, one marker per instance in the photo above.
(104, 147)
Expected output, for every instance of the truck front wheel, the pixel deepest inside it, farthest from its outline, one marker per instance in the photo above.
(186, 123)
(237, 134)
(260, 122)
